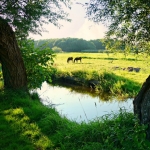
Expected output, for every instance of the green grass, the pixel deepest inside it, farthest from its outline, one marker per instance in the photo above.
(100, 66)
(26, 124)
(101, 62)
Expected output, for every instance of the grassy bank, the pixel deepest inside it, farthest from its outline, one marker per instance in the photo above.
(25, 124)
(100, 62)
(107, 83)
(109, 70)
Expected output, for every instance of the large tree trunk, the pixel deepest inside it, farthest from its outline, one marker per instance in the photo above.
(142, 105)
(13, 68)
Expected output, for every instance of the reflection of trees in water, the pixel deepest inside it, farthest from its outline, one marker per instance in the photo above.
(84, 90)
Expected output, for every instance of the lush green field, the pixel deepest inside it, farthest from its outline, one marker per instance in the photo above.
(109, 69)
(100, 62)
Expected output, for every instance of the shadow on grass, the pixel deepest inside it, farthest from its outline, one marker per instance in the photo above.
(111, 58)
(19, 129)
(83, 63)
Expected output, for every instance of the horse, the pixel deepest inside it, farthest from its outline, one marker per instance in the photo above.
(69, 59)
(130, 69)
(77, 58)
(136, 69)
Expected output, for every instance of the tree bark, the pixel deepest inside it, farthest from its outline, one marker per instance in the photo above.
(142, 105)
(13, 68)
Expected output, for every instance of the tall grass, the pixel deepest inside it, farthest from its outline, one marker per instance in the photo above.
(118, 85)
(108, 83)
(26, 124)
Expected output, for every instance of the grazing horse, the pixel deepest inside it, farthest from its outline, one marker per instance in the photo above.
(69, 59)
(136, 69)
(130, 69)
(77, 58)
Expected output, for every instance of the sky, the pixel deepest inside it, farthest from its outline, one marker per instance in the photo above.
(79, 27)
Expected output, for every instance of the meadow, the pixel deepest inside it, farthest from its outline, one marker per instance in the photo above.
(101, 62)
(109, 69)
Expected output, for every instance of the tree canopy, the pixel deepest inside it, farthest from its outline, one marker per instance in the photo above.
(127, 20)
(28, 15)
(73, 44)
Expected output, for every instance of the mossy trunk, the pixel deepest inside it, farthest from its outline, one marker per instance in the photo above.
(13, 68)
(142, 105)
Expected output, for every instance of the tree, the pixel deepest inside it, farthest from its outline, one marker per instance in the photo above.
(129, 22)
(13, 68)
(126, 20)
(17, 19)
(98, 44)
(57, 49)
(38, 62)
(68, 44)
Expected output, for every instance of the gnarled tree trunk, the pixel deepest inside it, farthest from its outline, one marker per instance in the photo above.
(142, 105)
(13, 68)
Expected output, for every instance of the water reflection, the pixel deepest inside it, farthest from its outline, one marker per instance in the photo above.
(79, 106)
(85, 90)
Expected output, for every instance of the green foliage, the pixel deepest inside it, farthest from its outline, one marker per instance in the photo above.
(106, 82)
(28, 125)
(98, 44)
(116, 131)
(72, 44)
(38, 63)
(57, 49)
(127, 21)
(117, 85)
(28, 16)
(113, 45)
(80, 74)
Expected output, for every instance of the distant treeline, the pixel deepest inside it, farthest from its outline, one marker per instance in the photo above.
(73, 44)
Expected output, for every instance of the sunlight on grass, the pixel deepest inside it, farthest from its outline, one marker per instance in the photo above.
(101, 62)
(1, 84)
(21, 123)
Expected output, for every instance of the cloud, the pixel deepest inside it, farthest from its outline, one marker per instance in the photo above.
(89, 30)
(79, 27)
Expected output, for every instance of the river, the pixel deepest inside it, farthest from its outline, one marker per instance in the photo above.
(80, 106)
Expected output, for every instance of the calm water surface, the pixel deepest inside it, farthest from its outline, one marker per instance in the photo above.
(79, 106)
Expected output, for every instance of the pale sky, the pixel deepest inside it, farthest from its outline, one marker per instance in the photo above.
(79, 27)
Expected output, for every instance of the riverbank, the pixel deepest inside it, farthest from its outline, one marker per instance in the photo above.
(106, 83)
(26, 124)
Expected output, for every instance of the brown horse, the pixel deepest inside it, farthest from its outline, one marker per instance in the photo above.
(77, 58)
(69, 59)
